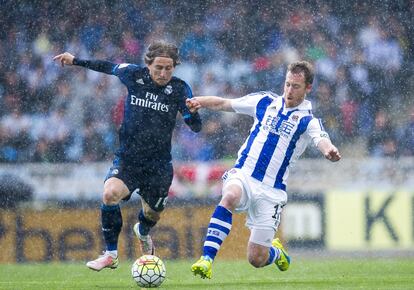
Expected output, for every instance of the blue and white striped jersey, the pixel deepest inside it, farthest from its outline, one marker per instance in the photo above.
(278, 137)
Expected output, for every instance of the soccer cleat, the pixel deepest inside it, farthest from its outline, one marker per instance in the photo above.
(103, 261)
(283, 262)
(203, 267)
(145, 242)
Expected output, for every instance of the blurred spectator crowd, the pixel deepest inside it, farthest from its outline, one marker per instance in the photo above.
(362, 52)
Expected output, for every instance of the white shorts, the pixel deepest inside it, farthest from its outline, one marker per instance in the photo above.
(262, 203)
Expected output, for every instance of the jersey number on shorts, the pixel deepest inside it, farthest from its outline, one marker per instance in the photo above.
(161, 200)
(276, 216)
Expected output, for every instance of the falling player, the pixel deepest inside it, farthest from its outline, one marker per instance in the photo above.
(283, 127)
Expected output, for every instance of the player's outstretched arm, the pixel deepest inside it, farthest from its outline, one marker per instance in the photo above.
(96, 65)
(65, 58)
(329, 150)
(209, 102)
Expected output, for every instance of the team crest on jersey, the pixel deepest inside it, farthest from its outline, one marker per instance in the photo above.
(295, 118)
(168, 90)
(115, 171)
(140, 81)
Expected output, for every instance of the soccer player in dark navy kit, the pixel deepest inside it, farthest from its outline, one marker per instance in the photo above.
(143, 161)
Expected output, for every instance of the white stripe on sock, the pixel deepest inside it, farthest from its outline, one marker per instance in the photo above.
(212, 244)
(277, 253)
(220, 222)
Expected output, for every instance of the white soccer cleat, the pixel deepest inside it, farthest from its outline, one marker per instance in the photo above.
(145, 242)
(103, 261)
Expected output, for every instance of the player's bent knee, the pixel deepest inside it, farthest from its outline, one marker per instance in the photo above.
(257, 255)
(257, 261)
(111, 196)
(114, 191)
(230, 199)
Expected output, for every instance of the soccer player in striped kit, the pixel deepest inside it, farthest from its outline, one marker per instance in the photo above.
(283, 127)
(143, 160)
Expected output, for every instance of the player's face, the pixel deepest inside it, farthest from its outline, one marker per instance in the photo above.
(295, 89)
(161, 70)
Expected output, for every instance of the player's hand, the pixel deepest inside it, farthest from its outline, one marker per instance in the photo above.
(332, 154)
(193, 105)
(65, 58)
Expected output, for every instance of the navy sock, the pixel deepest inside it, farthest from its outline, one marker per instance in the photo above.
(111, 218)
(145, 225)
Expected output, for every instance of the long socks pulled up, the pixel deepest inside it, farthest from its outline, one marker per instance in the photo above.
(111, 219)
(145, 225)
(218, 229)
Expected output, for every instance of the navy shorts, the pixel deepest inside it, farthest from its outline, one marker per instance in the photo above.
(151, 181)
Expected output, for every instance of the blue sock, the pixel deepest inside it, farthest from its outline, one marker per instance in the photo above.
(145, 225)
(273, 255)
(111, 218)
(218, 229)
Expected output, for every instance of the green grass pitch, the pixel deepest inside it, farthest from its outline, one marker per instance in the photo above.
(304, 273)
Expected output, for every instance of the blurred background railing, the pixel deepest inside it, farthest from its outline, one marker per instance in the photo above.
(202, 180)
(51, 212)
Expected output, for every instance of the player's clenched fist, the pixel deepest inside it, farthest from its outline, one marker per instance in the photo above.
(65, 58)
(193, 105)
(333, 154)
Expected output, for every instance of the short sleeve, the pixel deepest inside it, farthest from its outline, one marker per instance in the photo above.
(316, 131)
(247, 104)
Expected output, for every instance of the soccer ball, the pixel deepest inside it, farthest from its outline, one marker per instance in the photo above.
(148, 271)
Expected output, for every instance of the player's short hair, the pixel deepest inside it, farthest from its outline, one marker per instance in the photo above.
(164, 49)
(302, 67)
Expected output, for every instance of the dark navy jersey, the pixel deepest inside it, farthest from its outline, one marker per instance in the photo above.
(150, 112)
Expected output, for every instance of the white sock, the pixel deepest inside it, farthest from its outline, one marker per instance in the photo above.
(113, 254)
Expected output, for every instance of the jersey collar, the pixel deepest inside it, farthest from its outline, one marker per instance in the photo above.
(304, 106)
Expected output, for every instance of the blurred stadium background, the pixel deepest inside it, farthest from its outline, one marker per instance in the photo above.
(58, 127)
